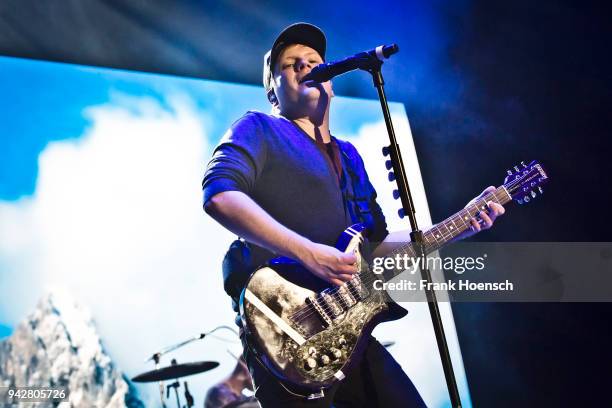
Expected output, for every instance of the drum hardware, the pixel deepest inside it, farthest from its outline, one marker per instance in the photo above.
(188, 396)
(175, 370)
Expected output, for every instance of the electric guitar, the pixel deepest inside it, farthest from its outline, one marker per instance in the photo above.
(310, 334)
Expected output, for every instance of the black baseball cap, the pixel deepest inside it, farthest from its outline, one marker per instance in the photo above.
(297, 33)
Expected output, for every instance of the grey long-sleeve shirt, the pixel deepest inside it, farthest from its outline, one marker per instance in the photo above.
(293, 178)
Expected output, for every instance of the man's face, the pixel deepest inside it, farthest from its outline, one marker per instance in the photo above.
(295, 98)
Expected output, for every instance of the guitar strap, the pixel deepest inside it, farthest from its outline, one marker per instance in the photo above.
(357, 198)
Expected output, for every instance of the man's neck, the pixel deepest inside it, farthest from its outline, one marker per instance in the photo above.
(320, 133)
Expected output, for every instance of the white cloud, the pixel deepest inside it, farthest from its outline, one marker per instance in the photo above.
(116, 219)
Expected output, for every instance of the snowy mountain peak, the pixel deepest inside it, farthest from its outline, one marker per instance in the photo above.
(58, 345)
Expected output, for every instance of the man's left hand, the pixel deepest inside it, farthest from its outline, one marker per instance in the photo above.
(484, 219)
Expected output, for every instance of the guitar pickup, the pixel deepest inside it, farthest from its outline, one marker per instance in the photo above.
(357, 289)
(345, 297)
(332, 307)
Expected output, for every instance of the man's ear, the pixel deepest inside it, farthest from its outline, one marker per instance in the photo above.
(272, 97)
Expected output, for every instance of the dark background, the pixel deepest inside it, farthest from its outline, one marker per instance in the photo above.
(485, 85)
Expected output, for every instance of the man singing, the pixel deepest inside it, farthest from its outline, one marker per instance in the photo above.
(287, 187)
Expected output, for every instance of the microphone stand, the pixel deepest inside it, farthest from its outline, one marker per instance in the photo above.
(416, 235)
(155, 357)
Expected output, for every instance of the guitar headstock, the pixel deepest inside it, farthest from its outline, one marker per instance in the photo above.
(524, 182)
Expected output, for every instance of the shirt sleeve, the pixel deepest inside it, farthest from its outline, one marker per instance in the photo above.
(238, 160)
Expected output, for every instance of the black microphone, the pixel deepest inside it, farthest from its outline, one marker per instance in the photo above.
(362, 60)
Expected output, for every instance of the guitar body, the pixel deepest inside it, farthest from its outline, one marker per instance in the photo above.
(305, 332)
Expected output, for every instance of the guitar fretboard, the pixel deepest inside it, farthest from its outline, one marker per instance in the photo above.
(444, 232)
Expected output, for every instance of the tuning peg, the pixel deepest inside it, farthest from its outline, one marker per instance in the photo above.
(526, 198)
(533, 194)
(391, 176)
(401, 213)
(516, 168)
(519, 201)
(540, 190)
(385, 151)
(509, 172)
(396, 194)
(523, 164)
(388, 165)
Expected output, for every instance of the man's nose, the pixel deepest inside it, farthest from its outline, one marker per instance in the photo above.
(301, 65)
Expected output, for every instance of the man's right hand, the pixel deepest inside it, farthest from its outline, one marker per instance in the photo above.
(238, 213)
(328, 263)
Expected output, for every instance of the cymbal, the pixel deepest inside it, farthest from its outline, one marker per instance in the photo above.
(175, 371)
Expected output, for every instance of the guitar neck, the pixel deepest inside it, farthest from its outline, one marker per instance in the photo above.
(449, 229)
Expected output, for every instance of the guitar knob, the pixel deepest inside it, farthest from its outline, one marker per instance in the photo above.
(311, 363)
(336, 353)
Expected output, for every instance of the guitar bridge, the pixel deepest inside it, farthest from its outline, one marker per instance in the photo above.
(309, 321)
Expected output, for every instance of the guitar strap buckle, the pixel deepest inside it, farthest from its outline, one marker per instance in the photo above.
(320, 394)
